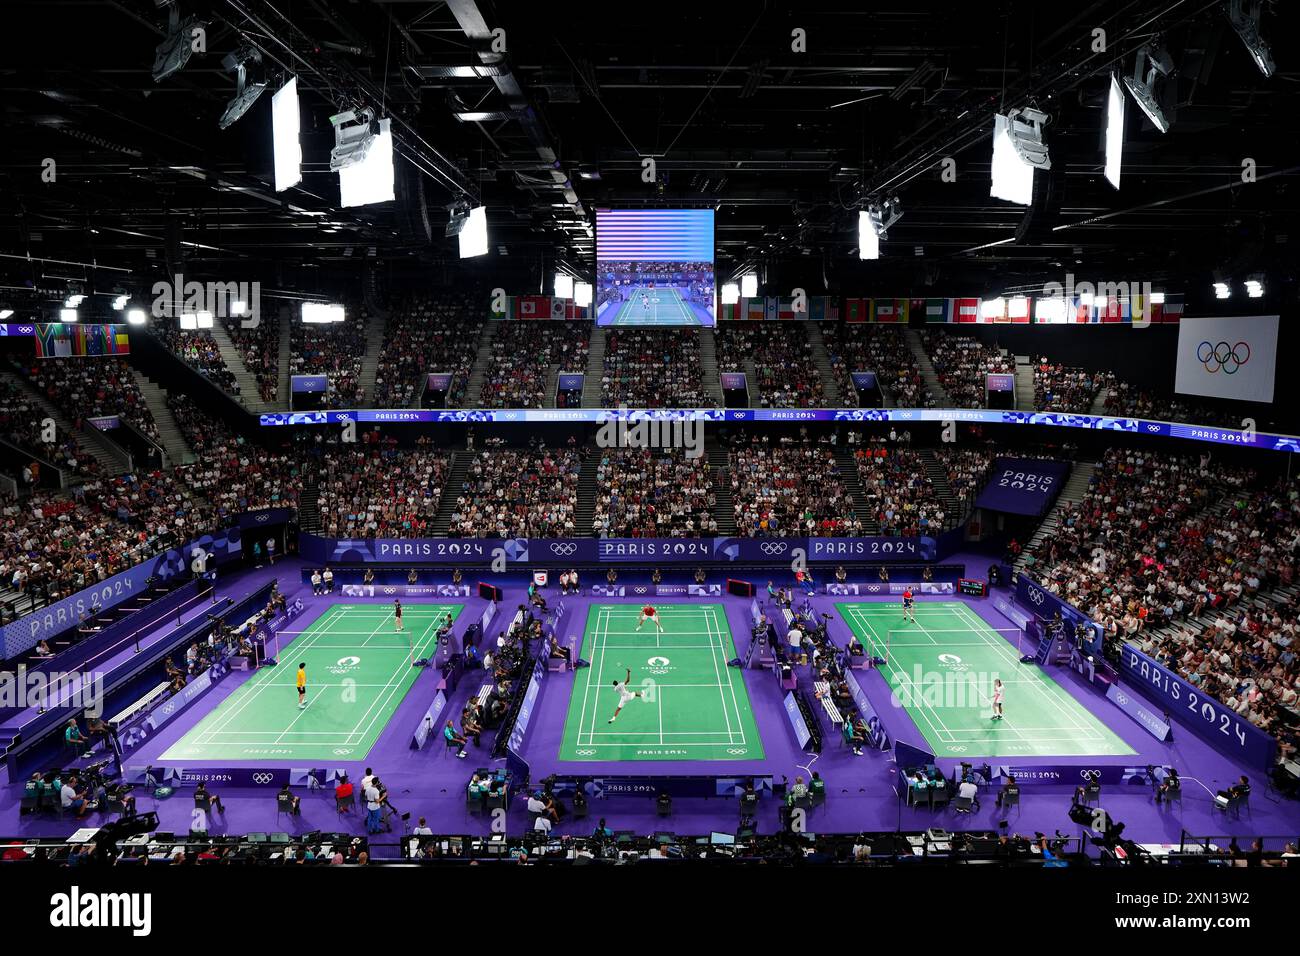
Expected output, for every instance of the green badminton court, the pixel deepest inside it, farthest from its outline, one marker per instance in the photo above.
(941, 670)
(694, 707)
(358, 671)
(665, 306)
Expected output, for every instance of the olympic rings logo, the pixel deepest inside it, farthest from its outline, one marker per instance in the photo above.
(1036, 596)
(262, 778)
(737, 751)
(774, 547)
(1223, 356)
(563, 547)
(1090, 775)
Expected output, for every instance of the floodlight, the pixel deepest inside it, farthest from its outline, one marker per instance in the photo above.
(6, 313)
(1050, 309)
(1157, 298)
(1012, 179)
(250, 82)
(582, 294)
(730, 293)
(563, 286)
(1222, 290)
(457, 218)
(285, 126)
(1114, 131)
(1255, 287)
(749, 286)
(174, 52)
(322, 313)
(370, 178)
(119, 302)
(1152, 66)
(203, 319)
(189, 322)
(136, 317)
(474, 237)
(1244, 17)
(67, 315)
(354, 133)
(993, 308)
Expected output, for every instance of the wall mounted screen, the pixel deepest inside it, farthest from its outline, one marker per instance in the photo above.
(655, 267)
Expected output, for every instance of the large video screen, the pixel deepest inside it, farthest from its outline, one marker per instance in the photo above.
(655, 267)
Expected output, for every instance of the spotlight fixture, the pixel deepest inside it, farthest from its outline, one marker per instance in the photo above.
(582, 294)
(250, 82)
(174, 52)
(457, 217)
(730, 293)
(873, 225)
(73, 300)
(1222, 290)
(1255, 287)
(1114, 131)
(120, 301)
(1018, 149)
(136, 317)
(474, 237)
(68, 315)
(1244, 16)
(323, 313)
(354, 134)
(563, 286)
(6, 313)
(749, 286)
(1153, 64)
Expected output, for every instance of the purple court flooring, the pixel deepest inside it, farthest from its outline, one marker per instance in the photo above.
(862, 791)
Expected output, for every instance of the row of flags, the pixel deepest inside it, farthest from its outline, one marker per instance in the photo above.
(1025, 310)
(63, 340)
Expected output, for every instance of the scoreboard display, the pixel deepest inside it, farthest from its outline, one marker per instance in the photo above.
(972, 587)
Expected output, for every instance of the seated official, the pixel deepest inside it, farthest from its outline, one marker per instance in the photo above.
(855, 734)
(344, 791)
(295, 802)
(537, 805)
(201, 796)
(559, 651)
(1007, 788)
(798, 790)
(1238, 791)
(967, 790)
(470, 728)
(451, 737)
(73, 797)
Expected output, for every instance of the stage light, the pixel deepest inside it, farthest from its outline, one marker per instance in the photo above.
(354, 134)
(6, 313)
(369, 179)
(474, 237)
(286, 122)
(868, 238)
(174, 52)
(189, 322)
(1114, 131)
(1017, 307)
(136, 317)
(204, 319)
(749, 286)
(250, 82)
(1018, 149)
(563, 286)
(1244, 16)
(238, 307)
(582, 294)
(993, 308)
(68, 315)
(1155, 60)
(457, 218)
(323, 313)
(1255, 287)
(73, 300)
(1222, 290)
(730, 293)
(119, 302)
(1051, 309)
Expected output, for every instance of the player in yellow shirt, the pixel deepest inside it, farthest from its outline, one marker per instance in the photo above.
(302, 686)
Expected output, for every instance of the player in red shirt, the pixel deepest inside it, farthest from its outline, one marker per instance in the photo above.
(648, 613)
(909, 606)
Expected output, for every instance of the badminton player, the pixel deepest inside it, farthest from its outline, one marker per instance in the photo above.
(648, 613)
(997, 698)
(624, 695)
(909, 606)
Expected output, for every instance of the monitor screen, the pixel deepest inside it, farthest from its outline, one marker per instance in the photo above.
(655, 267)
(722, 839)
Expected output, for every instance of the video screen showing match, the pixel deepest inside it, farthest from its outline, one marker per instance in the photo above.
(655, 267)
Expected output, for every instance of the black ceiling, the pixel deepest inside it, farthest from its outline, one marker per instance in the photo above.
(786, 145)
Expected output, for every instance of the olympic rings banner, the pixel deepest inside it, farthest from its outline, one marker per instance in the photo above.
(1233, 357)
(516, 551)
(596, 416)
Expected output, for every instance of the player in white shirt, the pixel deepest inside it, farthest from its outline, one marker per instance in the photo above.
(624, 695)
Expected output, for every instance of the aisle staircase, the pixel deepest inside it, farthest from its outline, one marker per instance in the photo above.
(938, 476)
(929, 379)
(478, 371)
(709, 365)
(1024, 383)
(309, 517)
(822, 360)
(1076, 486)
(169, 433)
(724, 508)
(591, 394)
(111, 459)
(249, 394)
(451, 491)
(585, 511)
(853, 482)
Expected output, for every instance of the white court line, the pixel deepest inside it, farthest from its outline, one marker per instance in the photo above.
(395, 682)
(921, 706)
(723, 697)
(722, 649)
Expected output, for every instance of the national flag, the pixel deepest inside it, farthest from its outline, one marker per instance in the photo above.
(890, 310)
(728, 312)
(755, 309)
(856, 310)
(967, 310)
(939, 310)
(771, 308)
(785, 309)
(532, 306)
(558, 307)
